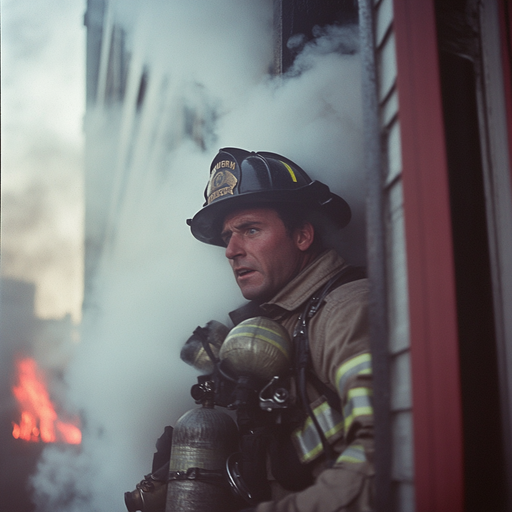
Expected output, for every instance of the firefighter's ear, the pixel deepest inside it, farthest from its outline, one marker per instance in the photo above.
(304, 236)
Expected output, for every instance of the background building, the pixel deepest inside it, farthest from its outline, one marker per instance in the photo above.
(50, 343)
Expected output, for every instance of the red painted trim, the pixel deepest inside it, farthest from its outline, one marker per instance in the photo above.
(505, 15)
(437, 413)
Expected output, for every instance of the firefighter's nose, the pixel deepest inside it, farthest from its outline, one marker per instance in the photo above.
(234, 248)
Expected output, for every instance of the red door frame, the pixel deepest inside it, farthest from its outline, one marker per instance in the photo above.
(437, 412)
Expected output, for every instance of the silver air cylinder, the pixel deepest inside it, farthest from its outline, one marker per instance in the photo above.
(202, 440)
(258, 347)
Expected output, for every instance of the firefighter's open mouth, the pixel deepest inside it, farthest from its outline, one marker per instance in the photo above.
(243, 272)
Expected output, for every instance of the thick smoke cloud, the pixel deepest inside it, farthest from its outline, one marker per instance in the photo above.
(42, 105)
(155, 283)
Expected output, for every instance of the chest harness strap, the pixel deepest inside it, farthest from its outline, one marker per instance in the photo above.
(302, 353)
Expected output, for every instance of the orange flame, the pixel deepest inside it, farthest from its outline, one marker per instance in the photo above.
(39, 421)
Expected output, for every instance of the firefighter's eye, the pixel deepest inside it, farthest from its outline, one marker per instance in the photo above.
(252, 231)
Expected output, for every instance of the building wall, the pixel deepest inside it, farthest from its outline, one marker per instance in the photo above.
(388, 258)
(435, 381)
(396, 277)
(438, 335)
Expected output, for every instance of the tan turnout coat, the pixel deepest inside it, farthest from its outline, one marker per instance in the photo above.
(340, 355)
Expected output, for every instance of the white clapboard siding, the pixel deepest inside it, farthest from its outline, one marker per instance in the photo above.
(396, 264)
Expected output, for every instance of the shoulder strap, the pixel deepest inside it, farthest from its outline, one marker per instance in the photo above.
(347, 275)
(344, 276)
(302, 353)
(330, 395)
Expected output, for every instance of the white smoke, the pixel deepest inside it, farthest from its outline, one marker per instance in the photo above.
(42, 150)
(155, 282)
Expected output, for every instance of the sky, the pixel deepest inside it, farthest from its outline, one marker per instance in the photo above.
(43, 99)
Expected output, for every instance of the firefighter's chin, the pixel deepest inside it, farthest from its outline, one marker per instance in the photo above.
(251, 284)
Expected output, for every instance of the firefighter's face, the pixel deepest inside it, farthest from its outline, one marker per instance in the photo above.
(263, 255)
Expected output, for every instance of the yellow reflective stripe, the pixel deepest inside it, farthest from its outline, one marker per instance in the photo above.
(354, 453)
(359, 404)
(360, 391)
(255, 335)
(290, 170)
(306, 455)
(332, 423)
(307, 439)
(358, 365)
(318, 412)
(278, 345)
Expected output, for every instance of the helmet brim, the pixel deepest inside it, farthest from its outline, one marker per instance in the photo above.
(207, 224)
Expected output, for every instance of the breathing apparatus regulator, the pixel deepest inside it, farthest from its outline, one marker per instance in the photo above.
(255, 355)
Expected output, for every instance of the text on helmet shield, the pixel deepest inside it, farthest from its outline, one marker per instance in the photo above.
(221, 183)
(225, 163)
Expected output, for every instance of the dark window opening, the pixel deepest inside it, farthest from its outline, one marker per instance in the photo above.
(484, 468)
(298, 17)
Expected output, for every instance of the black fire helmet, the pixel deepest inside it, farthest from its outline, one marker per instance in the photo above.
(244, 179)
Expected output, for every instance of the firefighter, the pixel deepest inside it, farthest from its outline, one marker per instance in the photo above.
(272, 221)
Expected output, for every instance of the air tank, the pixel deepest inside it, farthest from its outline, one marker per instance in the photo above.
(258, 347)
(203, 439)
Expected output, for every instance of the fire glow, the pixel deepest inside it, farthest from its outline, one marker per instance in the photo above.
(39, 421)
